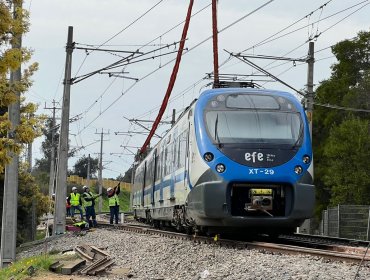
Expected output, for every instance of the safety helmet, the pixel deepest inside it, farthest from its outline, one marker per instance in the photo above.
(85, 187)
(109, 189)
(67, 198)
(53, 195)
(74, 189)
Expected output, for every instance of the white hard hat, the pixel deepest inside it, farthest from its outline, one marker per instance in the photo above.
(85, 187)
(53, 195)
(109, 189)
(74, 189)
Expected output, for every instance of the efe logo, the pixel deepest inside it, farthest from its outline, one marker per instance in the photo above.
(254, 156)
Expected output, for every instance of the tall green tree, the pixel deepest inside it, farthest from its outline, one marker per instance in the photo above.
(43, 164)
(338, 142)
(348, 151)
(80, 167)
(11, 28)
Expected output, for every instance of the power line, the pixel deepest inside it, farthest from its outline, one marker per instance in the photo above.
(177, 25)
(132, 23)
(285, 28)
(340, 107)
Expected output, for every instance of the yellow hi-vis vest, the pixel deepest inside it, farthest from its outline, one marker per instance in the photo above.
(113, 199)
(75, 199)
(89, 195)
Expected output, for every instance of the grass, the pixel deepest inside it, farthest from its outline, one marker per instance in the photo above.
(25, 268)
(40, 234)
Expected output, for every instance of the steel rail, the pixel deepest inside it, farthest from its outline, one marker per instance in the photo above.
(347, 256)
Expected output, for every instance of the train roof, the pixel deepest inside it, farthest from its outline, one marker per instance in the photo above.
(215, 91)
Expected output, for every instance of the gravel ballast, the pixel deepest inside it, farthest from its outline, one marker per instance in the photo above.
(155, 257)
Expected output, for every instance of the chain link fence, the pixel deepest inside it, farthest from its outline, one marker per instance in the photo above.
(344, 221)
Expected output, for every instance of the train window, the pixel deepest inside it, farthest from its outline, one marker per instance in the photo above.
(149, 173)
(158, 167)
(249, 101)
(236, 126)
(175, 151)
(182, 149)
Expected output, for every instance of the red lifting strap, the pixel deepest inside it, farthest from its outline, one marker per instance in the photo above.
(172, 80)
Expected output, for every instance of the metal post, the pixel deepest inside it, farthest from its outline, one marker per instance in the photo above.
(368, 227)
(338, 230)
(100, 175)
(29, 154)
(173, 117)
(52, 155)
(61, 183)
(10, 197)
(310, 95)
(309, 105)
(88, 172)
(33, 220)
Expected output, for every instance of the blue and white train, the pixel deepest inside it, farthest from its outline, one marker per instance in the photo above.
(237, 158)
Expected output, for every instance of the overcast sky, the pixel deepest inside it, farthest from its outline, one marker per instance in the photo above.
(104, 103)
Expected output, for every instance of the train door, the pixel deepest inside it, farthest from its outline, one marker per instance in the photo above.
(155, 160)
(143, 186)
(188, 152)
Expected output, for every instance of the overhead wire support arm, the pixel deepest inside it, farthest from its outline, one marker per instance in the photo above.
(149, 121)
(250, 63)
(106, 50)
(271, 57)
(122, 62)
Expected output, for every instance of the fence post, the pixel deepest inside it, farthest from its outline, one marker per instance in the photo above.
(326, 228)
(368, 227)
(338, 232)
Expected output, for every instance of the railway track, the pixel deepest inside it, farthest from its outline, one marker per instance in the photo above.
(285, 244)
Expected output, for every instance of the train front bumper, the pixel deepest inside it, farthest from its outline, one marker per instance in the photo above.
(210, 204)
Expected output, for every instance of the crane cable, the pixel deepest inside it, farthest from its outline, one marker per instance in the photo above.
(172, 80)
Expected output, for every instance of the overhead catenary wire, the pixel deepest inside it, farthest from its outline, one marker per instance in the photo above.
(189, 50)
(118, 33)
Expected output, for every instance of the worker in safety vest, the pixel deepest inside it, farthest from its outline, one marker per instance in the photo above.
(113, 201)
(89, 205)
(75, 200)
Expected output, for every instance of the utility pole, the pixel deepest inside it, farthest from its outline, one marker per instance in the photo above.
(309, 99)
(52, 156)
(61, 183)
(88, 172)
(29, 152)
(10, 197)
(100, 173)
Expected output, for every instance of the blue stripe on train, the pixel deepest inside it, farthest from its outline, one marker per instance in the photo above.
(168, 183)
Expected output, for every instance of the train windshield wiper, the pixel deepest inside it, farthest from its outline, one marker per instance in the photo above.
(299, 137)
(217, 138)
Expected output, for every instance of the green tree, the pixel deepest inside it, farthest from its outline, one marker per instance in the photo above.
(80, 167)
(10, 60)
(43, 164)
(127, 177)
(12, 28)
(348, 151)
(348, 86)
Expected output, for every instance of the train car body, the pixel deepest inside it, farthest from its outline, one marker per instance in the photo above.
(237, 158)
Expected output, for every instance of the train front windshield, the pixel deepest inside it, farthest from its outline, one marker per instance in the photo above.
(254, 119)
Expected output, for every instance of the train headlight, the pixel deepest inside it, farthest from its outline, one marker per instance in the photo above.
(298, 169)
(220, 168)
(306, 159)
(208, 156)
